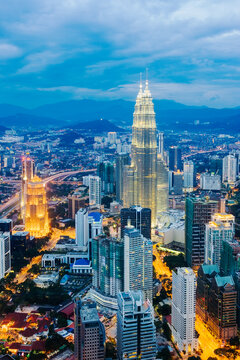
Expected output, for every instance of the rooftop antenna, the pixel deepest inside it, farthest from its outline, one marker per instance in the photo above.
(140, 80)
(147, 78)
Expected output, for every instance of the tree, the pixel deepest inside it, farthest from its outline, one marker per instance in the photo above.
(194, 357)
(164, 310)
(164, 354)
(166, 331)
(110, 350)
(173, 261)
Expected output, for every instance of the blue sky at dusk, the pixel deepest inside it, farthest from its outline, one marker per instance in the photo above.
(54, 50)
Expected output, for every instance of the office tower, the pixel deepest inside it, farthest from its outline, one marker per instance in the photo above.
(162, 186)
(178, 182)
(27, 175)
(188, 175)
(89, 333)
(36, 213)
(106, 172)
(138, 217)
(6, 225)
(122, 159)
(5, 254)
(94, 184)
(229, 172)
(219, 229)
(138, 271)
(230, 257)
(198, 213)
(79, 199)
(136, 332)
(107, 264)
(161, 144)
(184, 308)
(175, 158)
(95, 221)
(210, 182)
(217, 301)
(140, 178)
(112, 137)
(82, 227)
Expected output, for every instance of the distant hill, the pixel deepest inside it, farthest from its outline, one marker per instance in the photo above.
(28, 121)
(98, 126)
(169, 115)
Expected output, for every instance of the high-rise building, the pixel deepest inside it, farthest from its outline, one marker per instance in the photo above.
(82, 227)
(177, 182)
(136, 332)
(107, 264)
(112, 137)
(106, 172)
(36, 214)
(27, 175)
(140, 178)
(217, 301)
(138, 271)
(161, 144)
(188, 176)
(229, 172)
(162, 186)
(6, 225)
(89, 334)
(138, 217)
(198, 213)
(175, 158)
(184, 309)
(79, 199)
(94, 184)
(230, 257)
(5, 254)
(210, 182)
(122, 159)
(219, 229)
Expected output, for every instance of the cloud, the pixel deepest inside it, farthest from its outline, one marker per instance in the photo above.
(9, 51)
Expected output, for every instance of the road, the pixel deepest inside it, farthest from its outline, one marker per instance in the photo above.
(24, 274)
(159, 266)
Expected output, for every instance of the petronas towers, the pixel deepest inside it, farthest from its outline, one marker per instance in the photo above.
(140, 180)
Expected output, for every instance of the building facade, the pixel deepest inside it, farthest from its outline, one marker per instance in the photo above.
(138, 217)
(94, 184)
(136, 333)
(5, 254)
(184, 309)
(188, 176)
(122, 159)
(229, 171)
(175, 158)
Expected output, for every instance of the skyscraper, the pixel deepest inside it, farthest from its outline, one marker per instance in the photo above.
(229, 172)
(175, 158)
(138, 271)
(89, 334)
(184, 308)
(36, 214)
(136, 332)
(106, 172)
(198, 213)
(107, 264)
(122, 159)
(5, 254)
(140, 179)
(162, 186)
(138, 217)
(218, 230)
(27, 175)
(94, 184)
(188, 176)
(82, 227)
(161, 144)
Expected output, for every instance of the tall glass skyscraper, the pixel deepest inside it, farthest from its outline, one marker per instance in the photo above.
(140, 180)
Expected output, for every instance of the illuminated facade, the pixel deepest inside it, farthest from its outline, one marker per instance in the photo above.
(36, 214)
(140, 180)
(27, 175)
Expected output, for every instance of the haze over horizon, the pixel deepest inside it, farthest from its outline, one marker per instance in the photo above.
(57, 50)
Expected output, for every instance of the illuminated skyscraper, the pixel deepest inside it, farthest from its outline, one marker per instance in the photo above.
(36, 214)
(27, 175)
(140, 180)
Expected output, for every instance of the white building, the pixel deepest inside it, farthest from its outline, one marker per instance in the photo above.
(188, 176)
(82, 228)
(210, 182)
(138, 272)
(112, 137)
(136, 332)
(219, 229)
(5, 254)
(161, 144)
(229, 171)
(184, 309)
(94, 191)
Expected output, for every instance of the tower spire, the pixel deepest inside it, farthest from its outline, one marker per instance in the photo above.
(146, 79)
(140, 93)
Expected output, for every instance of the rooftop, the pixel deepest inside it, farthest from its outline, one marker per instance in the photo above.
(209, 269)
(224, 280)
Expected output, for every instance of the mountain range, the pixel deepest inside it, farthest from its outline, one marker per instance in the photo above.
(169, 115)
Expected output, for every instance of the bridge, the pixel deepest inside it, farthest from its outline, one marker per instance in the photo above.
(14, 202)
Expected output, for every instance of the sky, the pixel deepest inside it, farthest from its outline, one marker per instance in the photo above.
(57, 50)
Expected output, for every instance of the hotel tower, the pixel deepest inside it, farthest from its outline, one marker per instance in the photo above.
(140, 178)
